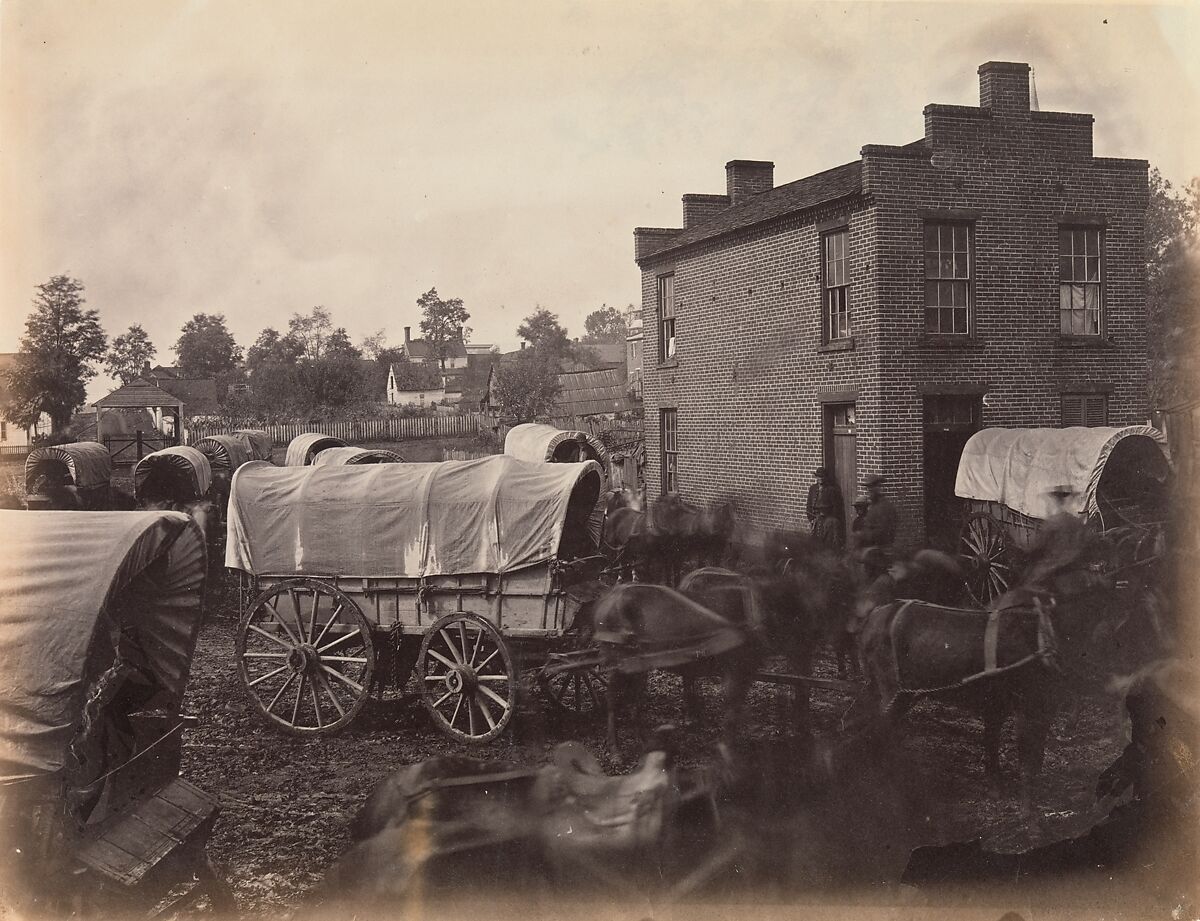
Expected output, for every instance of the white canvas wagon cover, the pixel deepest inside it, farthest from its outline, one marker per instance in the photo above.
(302, 448)
(189, 463)
(340, 457)
(1018, 467)
(224, 452)
(490, 515)
(88, 461)
(533, 441)
(60, 572)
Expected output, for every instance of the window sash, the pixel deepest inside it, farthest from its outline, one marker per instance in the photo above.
(666, 316)
(1080, 280)
(948, 279)
(835, 284)
(670, 450)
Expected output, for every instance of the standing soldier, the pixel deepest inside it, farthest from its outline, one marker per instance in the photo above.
(878, 531)
(825, 510)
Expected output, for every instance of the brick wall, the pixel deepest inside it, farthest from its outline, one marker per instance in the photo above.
(750, 370)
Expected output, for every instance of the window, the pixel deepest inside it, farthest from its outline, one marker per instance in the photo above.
(1080, 280)
(666, 317)
(947, 279)
(835, 284)
(3, 431)
(1088, 409)
(947, 412)
(670, 450)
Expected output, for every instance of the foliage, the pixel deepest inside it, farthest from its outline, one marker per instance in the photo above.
(443, 321)
(62, 339)
(525, 387)
(410, 375)
(205, 347)
(1173, 289)
(605, 325)
(373, 345)
(129, 354)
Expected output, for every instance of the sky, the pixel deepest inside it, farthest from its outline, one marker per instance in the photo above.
(257, 158)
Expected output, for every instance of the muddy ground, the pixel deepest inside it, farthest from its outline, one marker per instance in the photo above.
(286, 801)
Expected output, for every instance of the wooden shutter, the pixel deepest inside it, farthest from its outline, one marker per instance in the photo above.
(1089, 409)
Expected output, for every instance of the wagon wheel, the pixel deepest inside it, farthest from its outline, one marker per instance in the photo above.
(468, 680)
(579, 693)
(986, 558)
(305, 656)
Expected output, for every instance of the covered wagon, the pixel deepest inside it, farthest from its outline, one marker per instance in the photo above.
(461, 568)
(259, 444)
(303, 448)
(538, 443)
(176, 475)
(341, 457)
(75, 475)
(99, 614)
(1116, 479)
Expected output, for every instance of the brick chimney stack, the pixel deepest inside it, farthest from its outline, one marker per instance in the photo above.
(407, 335)
(1004, 87)
(748, 177)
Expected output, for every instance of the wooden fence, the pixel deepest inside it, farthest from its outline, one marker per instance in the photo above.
(14, 454)
(357, 431)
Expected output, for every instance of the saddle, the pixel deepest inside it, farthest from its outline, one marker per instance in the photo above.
(586, 811)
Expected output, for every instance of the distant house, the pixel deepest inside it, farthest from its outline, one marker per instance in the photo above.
(198, 394)
(419, 350)
(12, 435)
(633, 351)
(596, 393)
(423, 399)
(166, 410)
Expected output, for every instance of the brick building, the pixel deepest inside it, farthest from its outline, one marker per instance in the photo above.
(870, 317)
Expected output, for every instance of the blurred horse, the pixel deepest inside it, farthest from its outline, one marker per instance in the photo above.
(660, 543)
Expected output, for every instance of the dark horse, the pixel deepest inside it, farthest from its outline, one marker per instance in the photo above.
(712, 625)
(660, 543)
(1019, 659)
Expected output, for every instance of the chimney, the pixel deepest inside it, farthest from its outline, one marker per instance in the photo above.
(1004, 87)
(522, 345)
(748, 177)
(699, 208)
(407, 335)
(146, 369)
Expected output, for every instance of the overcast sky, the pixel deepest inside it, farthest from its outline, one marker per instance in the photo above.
(259, 158)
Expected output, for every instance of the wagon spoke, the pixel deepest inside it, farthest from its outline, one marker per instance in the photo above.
(339, 641)
(470, 715)
(329, 623)
(332, 696)
(495, 652)
(283, 623)
(312, 687)
(264, 655)
(312, 621)
(491, 677)
(296, 611)
(440, 700)
(343, 659)
(475, 648)
(340, 677)
(271, 674)
(454, 651)
(441, 658)
(462, 638)
(454, 715)
(271, 637)
(488, 692)
(279, 693)
(487, 714)
(299, 694)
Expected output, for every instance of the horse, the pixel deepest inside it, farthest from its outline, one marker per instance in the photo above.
(712, 624)
(1037, 643)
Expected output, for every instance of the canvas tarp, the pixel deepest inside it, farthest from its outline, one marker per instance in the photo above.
(225, 453)
(182, 460)
(490, 515)
(532, 441)
(302, 448)
(59, 572)
(88, 461)
(1018, 467)
(258, 443)
(340, 457)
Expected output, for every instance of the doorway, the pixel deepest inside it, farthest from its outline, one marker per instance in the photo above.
(949, 421)
(840, 454)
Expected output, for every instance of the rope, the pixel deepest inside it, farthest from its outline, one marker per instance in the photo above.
(103, 777)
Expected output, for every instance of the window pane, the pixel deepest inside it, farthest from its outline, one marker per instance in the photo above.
(1064, 241)
(1093, 268)
(931, 237)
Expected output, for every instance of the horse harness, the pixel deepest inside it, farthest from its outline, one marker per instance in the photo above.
(1047, 647)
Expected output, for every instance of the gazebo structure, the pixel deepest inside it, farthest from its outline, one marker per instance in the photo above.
(143, 394)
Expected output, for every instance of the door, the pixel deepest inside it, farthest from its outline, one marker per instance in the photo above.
(840, 454)
(949, 421)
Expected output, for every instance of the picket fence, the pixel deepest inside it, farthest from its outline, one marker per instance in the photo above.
(357, 431)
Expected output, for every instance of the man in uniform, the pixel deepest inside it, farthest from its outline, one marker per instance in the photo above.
(825, 511)
(878, 530)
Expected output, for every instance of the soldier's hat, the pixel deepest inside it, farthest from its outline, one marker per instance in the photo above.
(862, 502)
(820, 473)
(875, 479)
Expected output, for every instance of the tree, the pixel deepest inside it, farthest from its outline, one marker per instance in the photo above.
(547, 337)
(526, 387)
(61, 342)
(605, 325)
(129, 354)
(1172, 287)
(205, 347)
(410, 375)
(373, 345)
(443, 322)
